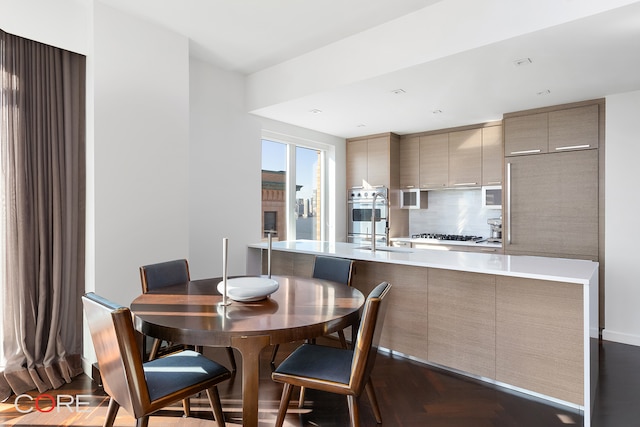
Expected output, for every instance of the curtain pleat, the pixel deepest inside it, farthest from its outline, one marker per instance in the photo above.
(43, 183)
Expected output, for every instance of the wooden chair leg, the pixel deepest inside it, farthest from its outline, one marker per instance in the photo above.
(301, 398)
(112, 411)
(284, 404)
(354, 412)
(343, 340)
(186, 407)
(214, 401)
(371, 393)
(274, 353)
(232, 359)
(155, 348)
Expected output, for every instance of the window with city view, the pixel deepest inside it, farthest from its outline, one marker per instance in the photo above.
(291, 208)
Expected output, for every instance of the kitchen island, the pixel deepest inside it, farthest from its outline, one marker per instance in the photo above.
(521, 322)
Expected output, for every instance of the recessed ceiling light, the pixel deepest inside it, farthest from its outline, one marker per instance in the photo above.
(398, 91)
(315, 111)
(522, 62)
(544, 92)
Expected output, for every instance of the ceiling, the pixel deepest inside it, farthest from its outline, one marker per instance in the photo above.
(359, 67)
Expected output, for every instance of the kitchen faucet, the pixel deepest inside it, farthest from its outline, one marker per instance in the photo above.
(373, 219)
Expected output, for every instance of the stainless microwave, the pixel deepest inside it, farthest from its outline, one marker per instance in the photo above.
(492, 197)
(413, 198)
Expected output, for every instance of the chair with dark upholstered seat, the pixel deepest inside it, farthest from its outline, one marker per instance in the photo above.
(337, 270)
(334, 269)
(144, 388)
(160, 275)
(338, 370)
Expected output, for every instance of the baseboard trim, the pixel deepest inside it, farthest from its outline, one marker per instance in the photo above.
(620, 337)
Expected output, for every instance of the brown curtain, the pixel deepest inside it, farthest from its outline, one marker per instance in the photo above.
(43, 197)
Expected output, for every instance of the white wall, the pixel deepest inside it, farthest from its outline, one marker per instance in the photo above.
(224, 171)
(141, 149)
(60, 23)
(622, 272)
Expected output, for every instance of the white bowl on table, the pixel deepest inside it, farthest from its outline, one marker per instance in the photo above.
(248, 289)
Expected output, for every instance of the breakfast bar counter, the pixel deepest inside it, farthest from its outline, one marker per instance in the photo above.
(523, 322)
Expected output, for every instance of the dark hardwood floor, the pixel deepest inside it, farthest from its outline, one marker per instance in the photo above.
(410, 394)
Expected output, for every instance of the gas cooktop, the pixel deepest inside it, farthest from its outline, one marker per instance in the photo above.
(448, 237)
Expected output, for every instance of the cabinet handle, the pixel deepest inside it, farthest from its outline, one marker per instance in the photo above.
(465, 184)
(526, 151)
(494, 183)
(573, 147)
(509, 202)
(410, 186)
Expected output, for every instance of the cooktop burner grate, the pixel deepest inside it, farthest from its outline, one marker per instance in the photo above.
(449, 237)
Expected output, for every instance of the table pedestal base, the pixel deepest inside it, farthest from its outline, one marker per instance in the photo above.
(250, 348)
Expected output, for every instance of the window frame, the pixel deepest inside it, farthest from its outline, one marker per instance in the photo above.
(327, 179)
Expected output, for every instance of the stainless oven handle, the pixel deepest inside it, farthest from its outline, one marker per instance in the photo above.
(509, 202)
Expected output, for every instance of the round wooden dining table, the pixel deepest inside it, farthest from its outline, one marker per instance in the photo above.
(302, 308)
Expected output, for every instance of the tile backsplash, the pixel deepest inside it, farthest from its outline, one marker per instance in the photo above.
(453, 212)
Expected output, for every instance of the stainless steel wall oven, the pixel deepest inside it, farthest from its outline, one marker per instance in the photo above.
(360, 206)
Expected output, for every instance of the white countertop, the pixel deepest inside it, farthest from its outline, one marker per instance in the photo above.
(532, 267)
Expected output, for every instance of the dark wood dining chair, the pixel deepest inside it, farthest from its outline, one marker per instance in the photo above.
(160, 275)
(337, 270)
(328, 268)
(143, 388)
(338, 370)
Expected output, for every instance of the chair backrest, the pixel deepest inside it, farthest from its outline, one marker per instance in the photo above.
(366, 347)
(117, 351)
(154, 276)
(334, 269)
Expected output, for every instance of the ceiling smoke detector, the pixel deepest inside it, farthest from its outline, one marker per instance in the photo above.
(436, 112)
(315, 111)
(398, 91)
(544, 92)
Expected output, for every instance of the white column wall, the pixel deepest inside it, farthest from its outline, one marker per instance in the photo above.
(141, 149)
(224, 171)
(622, 204)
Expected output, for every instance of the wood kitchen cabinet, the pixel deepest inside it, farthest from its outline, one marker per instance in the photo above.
(574, 128)
(373, 161)
(528, 134)
(465, 158)
(492, 155)
(357, 162)
(563, 129)
(527, 311)
(406, 319)
(462, 321)
(410, 162)
(552, 205)
(434, 161)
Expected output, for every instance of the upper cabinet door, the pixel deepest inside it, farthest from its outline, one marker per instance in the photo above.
(526, 134)
(410, 162)
(434, 161)
(356, 163)
(492, 155)
(465, 158)
(574, 128)
(378, 161)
